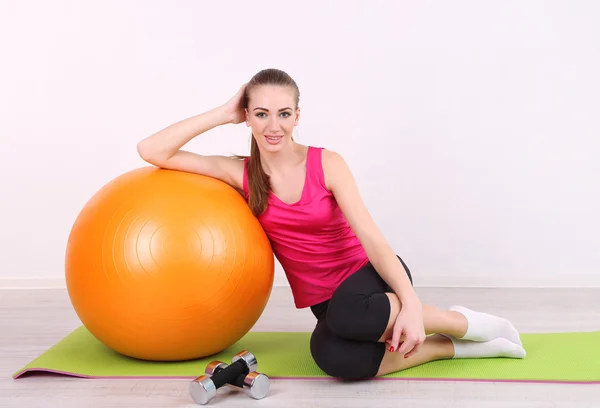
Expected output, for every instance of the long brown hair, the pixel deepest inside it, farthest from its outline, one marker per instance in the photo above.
(258, 181)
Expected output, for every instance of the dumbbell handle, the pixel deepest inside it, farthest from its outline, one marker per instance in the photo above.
(231, 374)
(254, 384)
(238, 381)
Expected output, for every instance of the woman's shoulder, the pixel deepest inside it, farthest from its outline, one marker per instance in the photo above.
(331, 158)
(333, 165)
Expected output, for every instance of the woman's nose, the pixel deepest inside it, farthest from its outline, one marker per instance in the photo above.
(273, 123)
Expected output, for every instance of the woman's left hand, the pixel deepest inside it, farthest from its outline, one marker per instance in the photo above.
(410, 328)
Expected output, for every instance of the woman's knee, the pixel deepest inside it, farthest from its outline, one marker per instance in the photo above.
(358, 317)
(344, 359)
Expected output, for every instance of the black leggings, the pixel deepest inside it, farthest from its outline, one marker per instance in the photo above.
(345, 343)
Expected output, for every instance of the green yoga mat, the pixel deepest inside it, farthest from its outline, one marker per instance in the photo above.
(552, 357)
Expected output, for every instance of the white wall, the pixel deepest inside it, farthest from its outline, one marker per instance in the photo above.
(472, 127)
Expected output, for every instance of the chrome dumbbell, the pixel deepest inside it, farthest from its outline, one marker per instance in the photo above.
(241, 373)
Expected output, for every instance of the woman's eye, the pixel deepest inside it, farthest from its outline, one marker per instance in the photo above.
(262, 114)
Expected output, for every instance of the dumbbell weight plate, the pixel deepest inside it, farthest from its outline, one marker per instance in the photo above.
(214, 366)
(202, 390)
(248, 358)
(257, 385)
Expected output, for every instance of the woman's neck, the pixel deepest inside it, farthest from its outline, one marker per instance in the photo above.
(284, 160)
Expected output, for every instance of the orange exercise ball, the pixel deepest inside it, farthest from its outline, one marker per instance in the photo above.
(166, 265)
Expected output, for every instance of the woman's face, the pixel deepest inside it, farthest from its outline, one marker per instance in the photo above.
(272, 115)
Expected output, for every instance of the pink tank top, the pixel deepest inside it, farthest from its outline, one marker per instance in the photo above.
(311, 238)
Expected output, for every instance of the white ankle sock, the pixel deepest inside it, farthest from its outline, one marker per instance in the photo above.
(486, 327)
(499, 347)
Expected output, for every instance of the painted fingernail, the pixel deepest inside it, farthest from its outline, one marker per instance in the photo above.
(391, 348)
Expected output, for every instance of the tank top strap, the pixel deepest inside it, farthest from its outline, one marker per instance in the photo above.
(314, 168)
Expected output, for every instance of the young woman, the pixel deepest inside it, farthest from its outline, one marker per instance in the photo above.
(370, 322)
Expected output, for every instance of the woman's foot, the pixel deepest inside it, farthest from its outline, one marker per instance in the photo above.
(498, 347)
(483, 327)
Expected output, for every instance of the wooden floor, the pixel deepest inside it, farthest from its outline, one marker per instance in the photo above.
(33, 320)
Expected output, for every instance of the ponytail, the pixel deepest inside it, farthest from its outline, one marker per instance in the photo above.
(258, 181)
